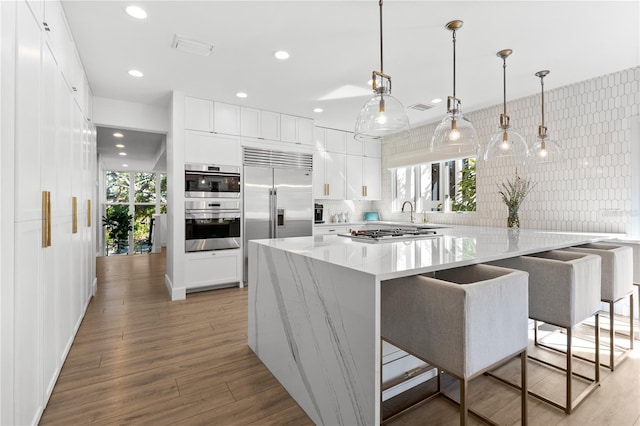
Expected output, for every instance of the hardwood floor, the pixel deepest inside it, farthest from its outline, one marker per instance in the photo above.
(140, 358)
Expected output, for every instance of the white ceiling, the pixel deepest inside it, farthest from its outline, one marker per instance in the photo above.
(334, 47)
(145, 151)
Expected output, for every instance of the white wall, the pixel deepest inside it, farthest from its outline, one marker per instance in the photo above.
(130, 115)
(591, 191)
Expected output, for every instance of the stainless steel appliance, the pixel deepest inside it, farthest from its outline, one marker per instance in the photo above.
(318, 210)
(391, 235)
(277, 194)
(211, 181)
(212, 225)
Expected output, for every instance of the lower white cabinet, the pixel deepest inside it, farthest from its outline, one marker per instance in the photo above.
(213, 268)
(330, 230)
(401, 371)
(208, 148)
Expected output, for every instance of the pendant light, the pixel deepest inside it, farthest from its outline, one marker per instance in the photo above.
(544, 150)
(506, 143)
(454, 134)
(383, 115)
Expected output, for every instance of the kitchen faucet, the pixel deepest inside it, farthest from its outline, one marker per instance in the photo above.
(411, 218)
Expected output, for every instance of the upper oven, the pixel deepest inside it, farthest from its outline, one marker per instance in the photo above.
(211, 181)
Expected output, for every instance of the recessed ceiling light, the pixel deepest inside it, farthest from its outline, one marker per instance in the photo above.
(318, 110)
(281, 54)
(122, 153)
(241, 95)
(119, 145)
(436, 101)
(136, 12)
(118, 135)
(135, 73)
(125, 165)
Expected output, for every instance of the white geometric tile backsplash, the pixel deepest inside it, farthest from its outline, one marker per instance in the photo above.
(591, 191)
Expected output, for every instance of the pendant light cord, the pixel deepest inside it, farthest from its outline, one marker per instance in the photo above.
(381, 67)
(542, 86)
(504, 86)
(454, 64)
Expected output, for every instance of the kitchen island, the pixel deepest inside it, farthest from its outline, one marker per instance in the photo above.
(314, 306)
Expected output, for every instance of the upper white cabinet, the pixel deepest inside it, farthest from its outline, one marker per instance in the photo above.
(201, 147)
(363, 178)
(372, 149)
(258, 124)
(297, 130)
(213, 117)
(198, 114)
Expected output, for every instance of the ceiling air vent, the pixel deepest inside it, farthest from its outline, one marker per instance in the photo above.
(420, 107)
(191, 46)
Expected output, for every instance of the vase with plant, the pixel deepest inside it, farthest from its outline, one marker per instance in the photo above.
(513, 194)
(117, 222)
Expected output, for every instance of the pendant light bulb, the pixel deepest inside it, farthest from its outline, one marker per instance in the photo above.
(454, 135)
(383, 115)
(545, 150)
(506, 143)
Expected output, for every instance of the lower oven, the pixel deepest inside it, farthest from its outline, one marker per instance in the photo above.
(212, 225)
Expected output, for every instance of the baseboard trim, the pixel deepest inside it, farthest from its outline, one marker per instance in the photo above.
(174, 293)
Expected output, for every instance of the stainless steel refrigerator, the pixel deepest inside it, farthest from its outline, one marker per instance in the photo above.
(277, 196)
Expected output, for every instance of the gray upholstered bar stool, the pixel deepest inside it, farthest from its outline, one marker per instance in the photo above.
(635, 246)
(564, 290)
(617, 284)
(464, 321)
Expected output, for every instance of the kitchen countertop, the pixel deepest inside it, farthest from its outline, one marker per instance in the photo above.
(457, 246)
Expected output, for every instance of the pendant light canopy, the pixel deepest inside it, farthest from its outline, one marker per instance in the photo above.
(544, 150)
(506, 143)
(383, 114)
(455, 134)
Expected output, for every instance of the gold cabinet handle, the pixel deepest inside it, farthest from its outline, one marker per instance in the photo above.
(89, 213)
(328, 189)
(74, 209)
(46, 219)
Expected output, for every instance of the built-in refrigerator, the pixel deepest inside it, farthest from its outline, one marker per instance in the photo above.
(277, 195)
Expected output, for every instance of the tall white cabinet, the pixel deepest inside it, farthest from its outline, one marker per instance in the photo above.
(48, 157)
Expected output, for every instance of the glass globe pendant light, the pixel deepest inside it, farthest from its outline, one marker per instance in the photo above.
(544, 150)
(455, 134)
(506, 143)
(383, 114)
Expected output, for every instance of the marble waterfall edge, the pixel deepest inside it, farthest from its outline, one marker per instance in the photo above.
(313, 325)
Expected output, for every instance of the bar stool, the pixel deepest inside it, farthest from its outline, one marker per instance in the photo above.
(617, 284)
(464, 321)
(564, 290)
(635, 246)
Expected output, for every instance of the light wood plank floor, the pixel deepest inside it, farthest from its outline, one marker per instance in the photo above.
(140, 358)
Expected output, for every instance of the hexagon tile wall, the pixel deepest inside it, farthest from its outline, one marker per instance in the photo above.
(595, 122)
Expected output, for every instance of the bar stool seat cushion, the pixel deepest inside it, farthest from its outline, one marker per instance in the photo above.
(462, 320)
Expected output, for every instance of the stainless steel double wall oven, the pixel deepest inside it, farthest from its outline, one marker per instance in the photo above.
(212, 208)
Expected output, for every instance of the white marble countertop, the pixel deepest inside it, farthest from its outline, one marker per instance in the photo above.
(457, 246)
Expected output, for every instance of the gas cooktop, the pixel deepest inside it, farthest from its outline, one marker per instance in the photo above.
(390, 235)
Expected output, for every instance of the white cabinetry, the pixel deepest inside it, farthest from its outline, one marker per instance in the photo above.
(53, 152)
(259, 124)
(212, 117)
(213, 268)
(297, 130)
(329, 167)
(363, 178)
(330, 230)
(206, 148)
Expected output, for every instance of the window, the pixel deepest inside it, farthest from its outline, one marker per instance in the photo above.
(143, 199)
(443, 186)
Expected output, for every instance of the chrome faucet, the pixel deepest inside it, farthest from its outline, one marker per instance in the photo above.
(411, 218)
